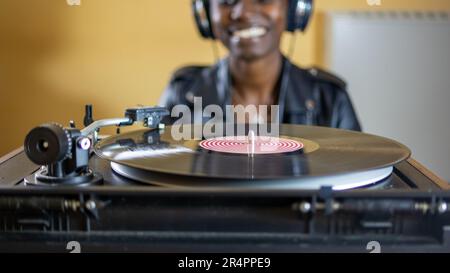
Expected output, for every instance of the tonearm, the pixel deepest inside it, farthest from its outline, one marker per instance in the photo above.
(63, 152)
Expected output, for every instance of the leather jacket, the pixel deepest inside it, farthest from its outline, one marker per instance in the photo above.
(305, 96)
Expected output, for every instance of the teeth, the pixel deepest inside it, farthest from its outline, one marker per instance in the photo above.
(252, 32)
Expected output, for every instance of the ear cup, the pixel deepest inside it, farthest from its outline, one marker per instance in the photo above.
(298, 15)
(200, 9)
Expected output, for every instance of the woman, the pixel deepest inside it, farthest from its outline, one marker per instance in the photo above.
(256, 72)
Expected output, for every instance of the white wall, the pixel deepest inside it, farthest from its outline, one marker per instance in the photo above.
(398, 70)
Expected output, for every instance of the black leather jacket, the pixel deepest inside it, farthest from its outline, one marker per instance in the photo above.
(306, 96)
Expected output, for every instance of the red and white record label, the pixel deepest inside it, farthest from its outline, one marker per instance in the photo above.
(243, 145)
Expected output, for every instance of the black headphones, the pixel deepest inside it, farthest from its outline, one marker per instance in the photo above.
(298, 14)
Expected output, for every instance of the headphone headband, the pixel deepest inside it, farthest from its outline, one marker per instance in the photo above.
(298, 15)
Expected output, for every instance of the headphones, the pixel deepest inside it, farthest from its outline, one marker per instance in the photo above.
(298, 14)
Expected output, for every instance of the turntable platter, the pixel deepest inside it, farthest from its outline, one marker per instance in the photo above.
(324, 152)
(337, 182)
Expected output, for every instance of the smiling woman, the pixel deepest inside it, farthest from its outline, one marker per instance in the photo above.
(255, 72)
(55, 58)
(249, 30)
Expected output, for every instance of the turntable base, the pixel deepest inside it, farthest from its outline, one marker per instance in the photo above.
(123, 215)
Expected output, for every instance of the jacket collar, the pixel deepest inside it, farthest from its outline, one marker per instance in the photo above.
(295, 87)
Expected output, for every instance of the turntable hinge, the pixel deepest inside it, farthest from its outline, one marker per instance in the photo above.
(446, 236)
(326, 193)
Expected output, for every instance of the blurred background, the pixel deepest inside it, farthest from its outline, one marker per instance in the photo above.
(55, 58)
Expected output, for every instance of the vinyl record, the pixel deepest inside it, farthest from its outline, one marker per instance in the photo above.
(323, 152)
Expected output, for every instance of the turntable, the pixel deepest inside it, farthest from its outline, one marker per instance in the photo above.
(308, 189)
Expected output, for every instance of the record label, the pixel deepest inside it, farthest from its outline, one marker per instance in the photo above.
(243, 145)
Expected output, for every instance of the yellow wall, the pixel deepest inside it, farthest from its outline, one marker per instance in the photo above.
(55, 58)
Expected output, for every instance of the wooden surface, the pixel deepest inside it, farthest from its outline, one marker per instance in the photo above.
(10, 155)
(433, 177)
